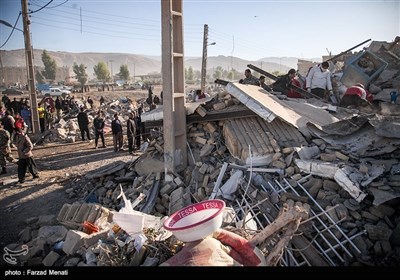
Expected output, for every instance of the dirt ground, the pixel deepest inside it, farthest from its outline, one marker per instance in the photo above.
(59, 164)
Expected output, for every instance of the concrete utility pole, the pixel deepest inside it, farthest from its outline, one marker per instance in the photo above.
(204, 60)
(29, 65)
(173, 75)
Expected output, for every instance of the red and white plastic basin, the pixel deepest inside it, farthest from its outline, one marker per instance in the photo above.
(196, 221)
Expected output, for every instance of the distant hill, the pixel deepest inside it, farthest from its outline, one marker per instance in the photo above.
(142, 64)
(137, 64)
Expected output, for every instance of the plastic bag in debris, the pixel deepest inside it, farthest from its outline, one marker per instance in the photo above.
(223, 248)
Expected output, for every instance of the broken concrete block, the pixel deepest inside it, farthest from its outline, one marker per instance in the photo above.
(317, 167)
(74, 241)
(50, 259)
(93, 238)
(381, 196)
(341, 177)
(201, 111)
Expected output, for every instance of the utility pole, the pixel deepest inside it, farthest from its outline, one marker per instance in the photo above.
(29, 64)
(112, 76)
(204, 60)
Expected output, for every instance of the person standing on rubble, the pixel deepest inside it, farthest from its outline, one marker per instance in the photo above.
(25, 155)
(318, 80)
(59, 107)
(5, 149)
(98, 124)
(250, 79)
(138, 121)
(131, 132)
(118, 138)
(83, 122)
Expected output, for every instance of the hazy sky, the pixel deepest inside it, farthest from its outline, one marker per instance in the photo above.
(245, 29)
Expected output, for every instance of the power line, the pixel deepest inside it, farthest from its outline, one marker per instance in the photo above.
(32, 12)
(12, 31)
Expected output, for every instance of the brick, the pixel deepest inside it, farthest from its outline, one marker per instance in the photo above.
(203, 168)
(178, 181)
(93, 213)
(328, 157)
(82, 213)
(341, 156)
(64, 210)
(166, 189)
(201, 111)
(201, 140)
(73, 209)
(210, 127)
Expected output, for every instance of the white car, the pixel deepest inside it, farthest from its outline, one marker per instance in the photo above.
(56, 92)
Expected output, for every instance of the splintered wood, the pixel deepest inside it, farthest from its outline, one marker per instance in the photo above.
(285, 225)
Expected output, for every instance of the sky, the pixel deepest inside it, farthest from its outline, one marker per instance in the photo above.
(246, 29)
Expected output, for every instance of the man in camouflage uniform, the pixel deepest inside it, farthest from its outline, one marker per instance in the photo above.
(5, 150)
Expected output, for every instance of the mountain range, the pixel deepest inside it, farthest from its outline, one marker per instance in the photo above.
(143, 64)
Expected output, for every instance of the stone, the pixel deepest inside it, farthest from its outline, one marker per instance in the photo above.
(50, 259)
(378, 232)
(47, 220)
(25, 235)
(52, 234)
(351, 204)
(31, 220)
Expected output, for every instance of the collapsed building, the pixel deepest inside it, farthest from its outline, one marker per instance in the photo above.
(260, 152)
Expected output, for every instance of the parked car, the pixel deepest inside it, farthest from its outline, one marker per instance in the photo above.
(13, 91)
(56, 92)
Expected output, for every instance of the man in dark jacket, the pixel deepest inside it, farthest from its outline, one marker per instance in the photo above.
(282, 83)
(98, 124)
(116, 128)
(83, 122)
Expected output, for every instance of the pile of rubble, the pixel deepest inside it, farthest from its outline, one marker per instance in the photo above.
(257, 152)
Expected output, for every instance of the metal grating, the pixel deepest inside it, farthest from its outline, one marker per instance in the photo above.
(329, 239)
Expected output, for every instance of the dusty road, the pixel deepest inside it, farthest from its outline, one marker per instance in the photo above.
(60, 165)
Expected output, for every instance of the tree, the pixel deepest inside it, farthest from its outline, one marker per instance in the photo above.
(80, 72)
(218, 72)
(189, 74)
(101, 72)
(39, 78)
(50, 66)
(124, 72)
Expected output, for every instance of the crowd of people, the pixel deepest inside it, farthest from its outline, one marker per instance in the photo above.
(317, 83)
